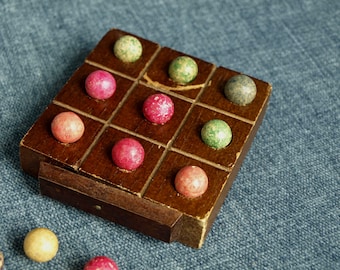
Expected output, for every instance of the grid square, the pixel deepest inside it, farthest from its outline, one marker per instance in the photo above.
(41, 140)
(214, 96)
(130, 116)
(162, 187)
(103, 54)
(157, 74)
(74, 94)
(189, 139)
(99, 163)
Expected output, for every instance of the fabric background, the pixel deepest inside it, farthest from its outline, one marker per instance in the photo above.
(283, 209)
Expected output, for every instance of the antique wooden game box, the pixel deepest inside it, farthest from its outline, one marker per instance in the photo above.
(82, 174)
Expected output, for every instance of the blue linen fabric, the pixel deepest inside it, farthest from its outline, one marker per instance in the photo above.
(283, 209)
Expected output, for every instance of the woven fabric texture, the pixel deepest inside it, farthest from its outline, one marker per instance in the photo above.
(283, 210)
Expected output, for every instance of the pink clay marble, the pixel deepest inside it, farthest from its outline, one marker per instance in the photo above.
(67, 127)
(100, 84)
(158, 109)
(101, 263)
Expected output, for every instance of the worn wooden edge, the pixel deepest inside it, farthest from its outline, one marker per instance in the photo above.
(194, 234)
(2, 261)
(110, 203)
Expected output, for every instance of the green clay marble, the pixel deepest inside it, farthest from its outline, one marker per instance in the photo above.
(216, 133)
(128, 49)
(183, 70)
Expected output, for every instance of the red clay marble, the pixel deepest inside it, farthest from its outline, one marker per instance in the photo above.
(128, 154)
(101, 263)
(191, 181)
(100, 84)
(67, 127)
(158, 109)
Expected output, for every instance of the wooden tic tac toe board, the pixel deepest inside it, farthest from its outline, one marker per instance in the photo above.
(83, 175)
